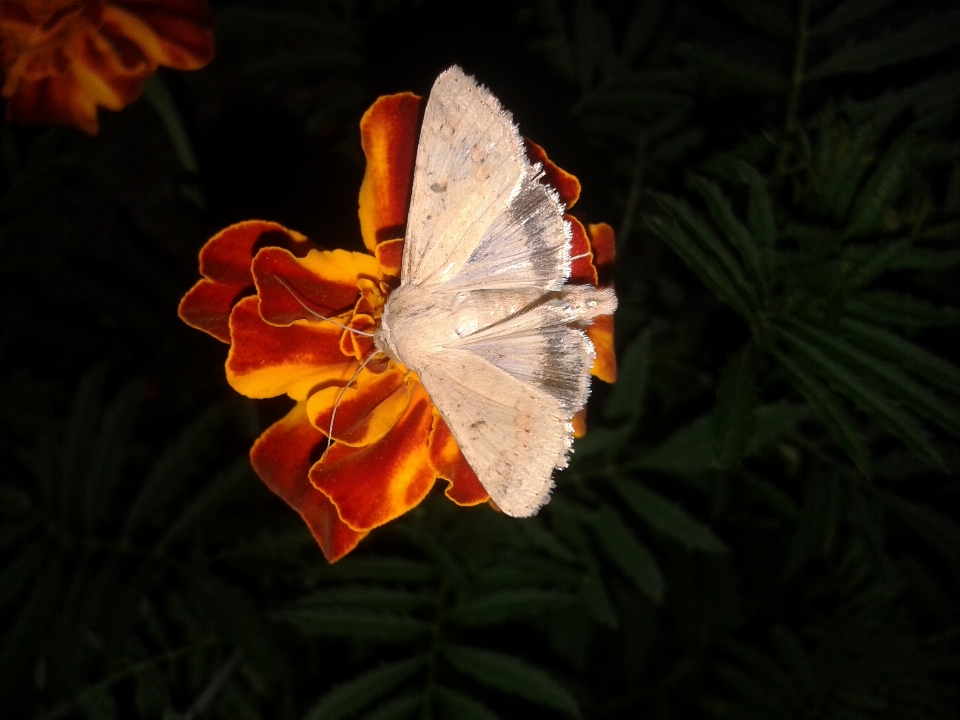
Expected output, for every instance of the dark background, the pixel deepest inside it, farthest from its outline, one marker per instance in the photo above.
(761, 521)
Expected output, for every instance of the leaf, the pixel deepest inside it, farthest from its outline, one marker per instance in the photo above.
(909, 355)
(689, 450)
(921, 39)
(169, 471)
(882, 189)
(378, 569)
(333, 621)
(927, 260)
(760, 210)
(456, 706)
(629, 554)
(886, 307)
(597, 600)
(773, 422)
(914, 395)
(733, 73)
(397, 709)
(358, 693)
(511, 675)
(725, 278)
(848, 12)
(873, 261)
(542, 538)
(212, 493)
(505, 605)
(627, 396)
(938, 529)
(827, 407)
(642, 27)
(372, 597)
(667, 517)
(722, 213)
(765, 16)
(734, 413)
(869, 398)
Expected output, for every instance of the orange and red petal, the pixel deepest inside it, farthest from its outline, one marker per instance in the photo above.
(266, 360)
(566, 185)
(605, 363)
(579, 423)
(374, 484)
(228, 255)
(59, 100)
(173, 33)
(582, 270)
(352, 342)
(322, 284)
(389, 254)
(225, 262)
(207, 306)
(282, 457)
(388, 134)
(604, 247)
(463, 486)
(366, 411)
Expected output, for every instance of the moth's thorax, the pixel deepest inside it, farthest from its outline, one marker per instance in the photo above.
(413, 324)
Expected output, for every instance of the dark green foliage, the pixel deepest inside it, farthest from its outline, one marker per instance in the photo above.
(761, 521)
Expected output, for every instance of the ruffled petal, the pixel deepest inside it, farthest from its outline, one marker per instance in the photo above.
(366, 411)
(566, 185)
(604, 247)
(173, 33)
(582, 270)
(56, 100)
(579, 423)
(389, 255)
(225, 263)
(207, 306)
(377, 483)
(463, 486)
(388, 134)
(282, 457)
(605, 363)
(266, 360)
(322, 283)
(63, 60)
(227, 255)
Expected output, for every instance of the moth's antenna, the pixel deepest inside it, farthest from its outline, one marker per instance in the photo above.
(336, 402)
(581, 255)
(318, 315)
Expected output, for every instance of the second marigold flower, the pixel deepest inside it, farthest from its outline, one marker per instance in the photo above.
(62, 59)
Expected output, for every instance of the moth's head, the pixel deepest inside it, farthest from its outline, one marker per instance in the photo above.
(383, 338)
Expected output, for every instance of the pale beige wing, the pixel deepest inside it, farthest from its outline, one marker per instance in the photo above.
(513, 434)
(509, 386)
(479, 215)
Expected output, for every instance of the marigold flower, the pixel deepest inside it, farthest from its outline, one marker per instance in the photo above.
(264, 290)
(64, 58)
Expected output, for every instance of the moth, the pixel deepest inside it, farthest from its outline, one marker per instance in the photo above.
(484, 315)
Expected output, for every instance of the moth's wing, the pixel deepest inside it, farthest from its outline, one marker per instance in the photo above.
(543, 345)
(469, 165)
(509, 391)
(512, 434)
(479, 215)
(526, 246)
